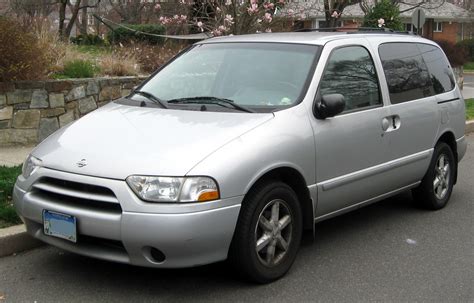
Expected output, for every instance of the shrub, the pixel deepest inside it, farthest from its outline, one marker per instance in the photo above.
(118, 63)
(55, 50)
(79, 69)
(22, 58)
(457, 54)
(468, 44)
(87, 40)
(386, 10)
(123, 35)
(151, 57)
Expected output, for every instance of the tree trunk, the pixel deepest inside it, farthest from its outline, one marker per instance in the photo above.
(75, 12)
(84, 20)
(62, 17)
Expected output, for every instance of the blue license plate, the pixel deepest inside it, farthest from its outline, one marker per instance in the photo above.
(59, 225)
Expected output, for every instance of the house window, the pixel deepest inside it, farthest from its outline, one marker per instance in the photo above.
(438, 27)
(90, 19)
(411, 28)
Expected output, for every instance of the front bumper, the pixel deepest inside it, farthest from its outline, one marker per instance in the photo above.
(187, 234)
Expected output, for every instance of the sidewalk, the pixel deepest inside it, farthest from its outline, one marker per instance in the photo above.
(468, 92)
(14, 155)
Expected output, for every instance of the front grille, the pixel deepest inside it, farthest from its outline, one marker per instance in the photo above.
(85, 196)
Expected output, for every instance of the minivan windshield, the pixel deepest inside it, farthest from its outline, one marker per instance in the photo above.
(252, 75)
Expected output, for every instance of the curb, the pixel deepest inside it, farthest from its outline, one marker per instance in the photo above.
(14, 239)
(469, 127)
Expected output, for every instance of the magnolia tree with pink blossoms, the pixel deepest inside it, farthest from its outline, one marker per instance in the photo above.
(223, 17)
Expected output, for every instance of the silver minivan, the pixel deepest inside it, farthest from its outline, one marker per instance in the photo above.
(239, 144)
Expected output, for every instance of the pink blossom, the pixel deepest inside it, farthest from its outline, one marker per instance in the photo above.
(268, 30)
(183, 17)
(164, 20)
(268, 17)
(291, 12)
(229, 19)
(335, 14)
(218, 9)
(228, 2)
(222, 28)
(200, 25)
(253, 9)
(157, 6)
(268, 5)
(381, 22)
(281, 1)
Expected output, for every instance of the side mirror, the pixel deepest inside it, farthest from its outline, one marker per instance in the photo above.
(329, 106)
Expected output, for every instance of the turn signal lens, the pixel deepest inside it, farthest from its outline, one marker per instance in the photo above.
(207, 196)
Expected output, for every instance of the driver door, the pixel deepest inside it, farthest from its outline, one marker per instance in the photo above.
(351, 151)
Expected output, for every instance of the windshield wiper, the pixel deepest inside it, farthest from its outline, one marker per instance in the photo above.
(151, 97)
(211, 100)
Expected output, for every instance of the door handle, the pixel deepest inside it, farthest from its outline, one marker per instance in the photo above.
(391, 123)
(385, 124)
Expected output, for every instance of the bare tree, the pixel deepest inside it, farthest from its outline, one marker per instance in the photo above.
(29, 10)
(32, 8)
(133, 11)
(65, 32)
(425, 4)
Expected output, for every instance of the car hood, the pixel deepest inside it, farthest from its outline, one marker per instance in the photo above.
(117, 141)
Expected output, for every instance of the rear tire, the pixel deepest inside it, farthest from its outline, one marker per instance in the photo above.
(268, 232)
(437, 185)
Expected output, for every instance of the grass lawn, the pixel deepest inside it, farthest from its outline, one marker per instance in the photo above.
(469, 66)
(470, 109)
(8, 176)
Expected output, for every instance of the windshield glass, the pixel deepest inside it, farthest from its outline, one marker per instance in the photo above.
(264, 75)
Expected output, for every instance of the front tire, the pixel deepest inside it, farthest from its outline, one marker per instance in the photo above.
(437, 185)
(268, 232)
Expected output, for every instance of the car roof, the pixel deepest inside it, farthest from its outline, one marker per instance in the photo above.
(317, 38)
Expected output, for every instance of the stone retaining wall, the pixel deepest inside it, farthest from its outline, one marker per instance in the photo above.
(32, 110)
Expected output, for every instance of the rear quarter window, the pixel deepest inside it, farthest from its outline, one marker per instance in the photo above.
(407, 74)
(440, 71)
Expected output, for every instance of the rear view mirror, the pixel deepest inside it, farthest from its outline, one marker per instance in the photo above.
(329, 106)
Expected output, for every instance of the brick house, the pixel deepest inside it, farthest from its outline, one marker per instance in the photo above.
(444, 21)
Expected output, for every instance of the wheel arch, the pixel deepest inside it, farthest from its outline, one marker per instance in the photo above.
(293, 178)
(449, 138)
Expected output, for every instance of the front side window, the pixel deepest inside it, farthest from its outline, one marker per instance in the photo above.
(406, 73)
(350, 71)
(266, 76)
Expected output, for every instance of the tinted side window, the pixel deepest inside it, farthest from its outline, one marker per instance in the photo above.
(350, 71)
(406, 72)
(440, 73)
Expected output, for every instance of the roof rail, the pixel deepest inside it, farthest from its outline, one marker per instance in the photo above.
(355, 30)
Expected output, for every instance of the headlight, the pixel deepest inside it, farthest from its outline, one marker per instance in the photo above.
(30, 165)
(174, 189)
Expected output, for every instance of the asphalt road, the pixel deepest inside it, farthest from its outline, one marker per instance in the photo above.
(390, 251)
(469, 80)
(468, 90)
